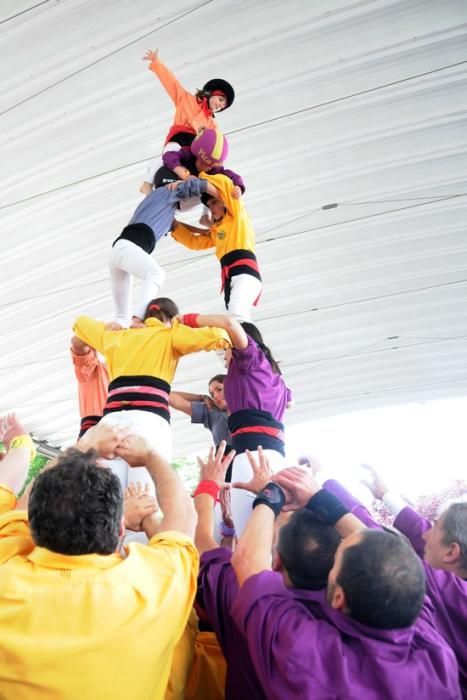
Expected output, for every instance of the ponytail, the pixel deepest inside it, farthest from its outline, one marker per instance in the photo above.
(254, 333)
(162, 308)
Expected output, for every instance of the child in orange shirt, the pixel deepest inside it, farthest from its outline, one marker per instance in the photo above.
(191, 113)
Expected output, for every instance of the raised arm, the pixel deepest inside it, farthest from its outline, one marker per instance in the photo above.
(407, 521)
(169, 82)
(305, 492)
(253, 551)
(212, 476)
(235, 331)
(174, 501)
(20, 449)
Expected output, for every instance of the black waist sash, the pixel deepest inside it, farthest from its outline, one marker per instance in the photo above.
(139, 393)
(141, 235)
(237, 262)
(251, 428)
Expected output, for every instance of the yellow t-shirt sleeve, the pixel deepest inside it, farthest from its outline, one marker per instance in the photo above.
(186, 340)
(90, 332)
(15, 537)
(224, 186)
(7, 499)
(187, 238)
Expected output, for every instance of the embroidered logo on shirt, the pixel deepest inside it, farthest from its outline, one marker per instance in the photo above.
(221, 235)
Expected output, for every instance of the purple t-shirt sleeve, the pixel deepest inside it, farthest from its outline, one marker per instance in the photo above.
(413, 525)
(352, 504)
(217, 587)
(246, 359)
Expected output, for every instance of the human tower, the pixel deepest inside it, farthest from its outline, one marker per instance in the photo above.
(143, 343)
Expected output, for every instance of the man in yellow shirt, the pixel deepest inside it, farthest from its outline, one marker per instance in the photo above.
(78, 620)
(233, 237)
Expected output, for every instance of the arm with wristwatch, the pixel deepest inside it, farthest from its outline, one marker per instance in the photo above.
(289, 489)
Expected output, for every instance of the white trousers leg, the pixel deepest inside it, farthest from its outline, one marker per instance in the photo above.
(154, 429)
(244, 290)
(241, 500)
(127, 259)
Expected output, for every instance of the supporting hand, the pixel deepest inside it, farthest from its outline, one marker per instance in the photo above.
(103, 438)
(262, 473)
(138, 505)
(299, 485)
(216, 465)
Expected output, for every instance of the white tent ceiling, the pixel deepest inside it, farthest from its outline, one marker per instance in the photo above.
(359, 104)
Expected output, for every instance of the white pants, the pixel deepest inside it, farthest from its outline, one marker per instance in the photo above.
(244, 290)
(242, 500)
(154, 429)
(128, 259)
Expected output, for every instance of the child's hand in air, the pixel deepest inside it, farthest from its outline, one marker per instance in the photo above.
(236, 192)
(150, 55)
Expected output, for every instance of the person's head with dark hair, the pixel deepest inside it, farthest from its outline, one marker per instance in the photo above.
(216, 391)
(446, 541)
(377, 580)
(76, 507)
(163, 309)
(215, 206)
(305, 551)
(254, 333)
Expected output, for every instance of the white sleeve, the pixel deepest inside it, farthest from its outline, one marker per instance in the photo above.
(152, 167)
(394, 502)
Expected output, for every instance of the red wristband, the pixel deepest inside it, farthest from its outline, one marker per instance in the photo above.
(190, 320)
(208, 486)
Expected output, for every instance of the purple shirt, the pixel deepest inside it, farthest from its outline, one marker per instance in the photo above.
(185, 158)
(217, 588)
(251, 383)
(303, 649)
(447, 592)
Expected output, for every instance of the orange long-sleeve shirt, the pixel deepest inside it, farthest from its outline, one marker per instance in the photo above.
(188, 111)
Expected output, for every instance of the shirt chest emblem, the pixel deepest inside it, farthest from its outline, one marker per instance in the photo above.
(221, 235)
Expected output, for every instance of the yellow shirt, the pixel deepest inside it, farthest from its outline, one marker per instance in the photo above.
(152, 351)
(91, 627)
(233, 232)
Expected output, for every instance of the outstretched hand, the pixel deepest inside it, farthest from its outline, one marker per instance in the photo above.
(216, 465)
(299, 485)
(375, 482)
(151, 55)
(262, 473)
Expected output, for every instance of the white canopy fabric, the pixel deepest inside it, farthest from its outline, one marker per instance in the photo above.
(360, 105)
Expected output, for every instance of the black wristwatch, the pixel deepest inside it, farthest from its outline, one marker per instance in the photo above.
(273, 496)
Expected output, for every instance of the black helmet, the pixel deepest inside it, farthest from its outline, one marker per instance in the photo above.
(224, 87)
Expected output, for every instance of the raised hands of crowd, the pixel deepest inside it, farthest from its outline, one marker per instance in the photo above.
(374, 482)
(262, 473)
(298, 484)
(214, 468)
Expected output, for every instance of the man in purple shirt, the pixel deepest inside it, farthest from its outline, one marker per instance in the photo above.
(443, 547)
(303, 557)
(371, 637)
